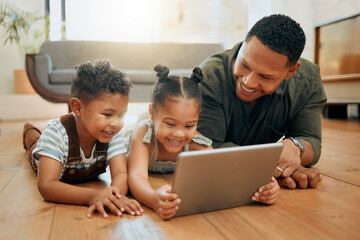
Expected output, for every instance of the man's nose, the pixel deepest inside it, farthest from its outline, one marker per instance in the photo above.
(250, 80)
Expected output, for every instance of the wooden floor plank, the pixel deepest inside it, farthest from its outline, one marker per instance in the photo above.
(23, 213)
(331, 211)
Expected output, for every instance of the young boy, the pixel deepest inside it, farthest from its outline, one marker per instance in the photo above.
(80, 145)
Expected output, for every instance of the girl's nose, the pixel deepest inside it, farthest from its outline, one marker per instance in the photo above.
(179, 133)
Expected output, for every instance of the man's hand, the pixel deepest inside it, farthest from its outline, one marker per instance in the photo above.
(301, 178)
(289, 160)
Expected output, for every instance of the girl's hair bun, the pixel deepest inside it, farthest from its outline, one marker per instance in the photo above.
(197, 75)
(162, 72)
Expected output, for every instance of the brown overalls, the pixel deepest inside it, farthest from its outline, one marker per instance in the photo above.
(71, 174)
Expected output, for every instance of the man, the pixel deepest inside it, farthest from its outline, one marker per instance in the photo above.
(260, 91)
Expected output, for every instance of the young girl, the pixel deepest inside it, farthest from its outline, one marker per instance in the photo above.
(155, 143)
(80, 145)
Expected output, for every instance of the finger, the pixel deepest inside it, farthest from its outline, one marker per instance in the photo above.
(277, 172)
(90, 210)
(301, 179)
(270, 201)
(134, 208)
(166, 188)
(168, 210)
(116, 192)
(137, 205)
(286, 182)
(267, 194)
(288, 170)
(169, 204)
(268, 186)
(113, 207)
(313, 177)
(129, 210)
(118, 203)
(101, 210)
(167, 216)
(164, 196)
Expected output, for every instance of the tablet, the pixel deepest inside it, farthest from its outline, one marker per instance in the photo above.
(209, 180)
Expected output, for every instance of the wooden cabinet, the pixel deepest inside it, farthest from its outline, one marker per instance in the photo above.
(337, 52)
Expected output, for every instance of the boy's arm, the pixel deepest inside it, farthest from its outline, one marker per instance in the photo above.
(118, 170)
(52, 189)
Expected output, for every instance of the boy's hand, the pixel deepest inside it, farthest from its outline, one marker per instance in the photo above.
(108, 197)
(111, 199)
(165, 203)
(267, 194)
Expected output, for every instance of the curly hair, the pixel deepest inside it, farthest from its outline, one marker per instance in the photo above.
(169, 87)
(93, 79)
(281, 34)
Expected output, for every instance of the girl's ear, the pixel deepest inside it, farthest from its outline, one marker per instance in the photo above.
(76, 106)
(151, 111)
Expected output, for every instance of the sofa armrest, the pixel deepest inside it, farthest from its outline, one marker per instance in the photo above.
(38, 67)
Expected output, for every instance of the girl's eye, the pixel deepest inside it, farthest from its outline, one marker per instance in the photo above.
(190, 126)
(245, 66)
(107, 114)
(170, 124)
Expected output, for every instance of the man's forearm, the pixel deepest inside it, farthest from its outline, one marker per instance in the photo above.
(308, 156)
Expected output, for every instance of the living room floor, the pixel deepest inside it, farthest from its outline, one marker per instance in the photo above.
(330, 211)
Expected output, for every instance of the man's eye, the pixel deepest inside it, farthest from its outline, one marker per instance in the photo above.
(264, 77)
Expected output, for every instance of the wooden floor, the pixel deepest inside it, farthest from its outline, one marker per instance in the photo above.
(331, 211)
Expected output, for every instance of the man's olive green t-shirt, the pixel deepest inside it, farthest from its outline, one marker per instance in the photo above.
(293, 110)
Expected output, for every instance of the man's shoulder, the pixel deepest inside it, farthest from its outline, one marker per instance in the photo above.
(307, 70)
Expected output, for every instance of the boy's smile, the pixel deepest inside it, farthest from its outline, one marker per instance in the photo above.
(101, 119)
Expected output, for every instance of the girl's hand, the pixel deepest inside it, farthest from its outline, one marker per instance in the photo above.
(131, 206)
(267, 194)
(164, 202)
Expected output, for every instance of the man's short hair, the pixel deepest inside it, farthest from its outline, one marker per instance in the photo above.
(281, 34)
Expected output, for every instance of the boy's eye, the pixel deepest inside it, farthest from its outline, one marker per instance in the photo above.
(107, 114)
(190, 126)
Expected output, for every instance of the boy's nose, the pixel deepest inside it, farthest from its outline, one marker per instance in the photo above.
(118, 123)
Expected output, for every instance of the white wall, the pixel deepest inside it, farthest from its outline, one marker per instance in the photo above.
(10, 56)
(226, 21)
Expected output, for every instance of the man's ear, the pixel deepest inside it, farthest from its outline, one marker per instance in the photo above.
(292, 70)
(76, 106)
(151, 111)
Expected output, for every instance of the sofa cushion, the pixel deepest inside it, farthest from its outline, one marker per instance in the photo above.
(62, 76)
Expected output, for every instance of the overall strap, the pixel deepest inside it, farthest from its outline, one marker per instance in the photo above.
(101, 148)
(68, 121)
